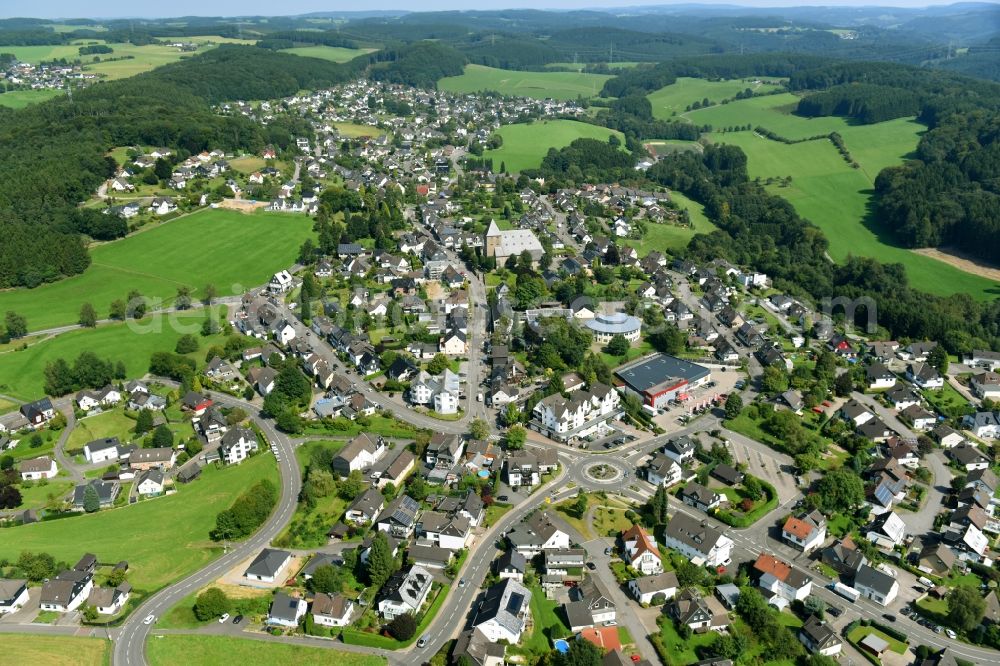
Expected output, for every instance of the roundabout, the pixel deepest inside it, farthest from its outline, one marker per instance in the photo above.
(602, 472)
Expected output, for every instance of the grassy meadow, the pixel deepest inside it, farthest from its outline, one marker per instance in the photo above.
(18, 99)
(332, 53)
(213, 246)
(826, 190)
(163, 539)
(524, 145)
(539, 85)
(211, 650)
(671, 236)
(22, 372)
(675, 98)
(55, 650)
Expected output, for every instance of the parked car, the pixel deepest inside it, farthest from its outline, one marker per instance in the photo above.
(237, 619)
(423, 641)
(889, 616)
(591, 566)
(225, 616)
(951, 633)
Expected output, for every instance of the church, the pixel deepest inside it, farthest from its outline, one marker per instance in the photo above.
(503, 244)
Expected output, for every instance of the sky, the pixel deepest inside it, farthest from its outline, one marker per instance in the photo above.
(130, 8)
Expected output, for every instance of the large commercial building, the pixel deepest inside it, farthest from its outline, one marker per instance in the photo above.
(607, 326)
(660, 378)
(511, 242)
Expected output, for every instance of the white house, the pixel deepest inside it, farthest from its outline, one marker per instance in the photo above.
(537, 534)
(150, 483)
(887, 530)
(664, 471)
(110, 600)
(648, 589)
(698, 540)
(13, 594)
(504, 612)
(280, 282)
(440, 529)
(37, 468)
(404, 592)
(641, 552)
(67, 591)
(785, 583)
(268, 566)
(820, 638)
(286, 611)
(807, 531)
(237, 444)
(102, 450)
(580, 415)
(332, 610)
(876, 585)
(360, 453)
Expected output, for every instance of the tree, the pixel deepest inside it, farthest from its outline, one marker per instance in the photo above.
(91, 500)
(186, 344)
(516, 436)
(208, 294)
(16, 325)
(352, 486)
(328, 579)
(734, 405)
(403, 627)
(774, 380)
(183, 299)
(965, 608)
(617, 346)
(10, 496)
(88, 316)
(163, 437)
(89, 613)
(143, 422)
(381, 564)
(36, 566)
(843, 384)
(438, 364)
(659, 505)
(840, 490)
(753, 487)
(211, 603)
(479, 429)
(581, 505)
(580, 653)
(937, 357)
(117, 310)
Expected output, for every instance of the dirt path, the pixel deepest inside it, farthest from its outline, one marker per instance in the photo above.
(961, 261)
(242, 205)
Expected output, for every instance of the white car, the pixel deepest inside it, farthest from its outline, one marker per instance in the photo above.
(150, 619)
(225, 616)
(951, 633)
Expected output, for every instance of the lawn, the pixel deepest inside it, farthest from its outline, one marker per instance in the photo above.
(826, 190)
(948, 401)
(539, 85)
(378, 424)
(304, 452)
(354, 130)
(675, 98)
(525, 144)
(162, 539)
(113, 423)
(18, 99)
(609, 521)
(22, 374)
(682, 651)
(211, 650)
(495, 512)
(55, 650)
(37, 495)
(226, 248)
(668, 236)
(332, 53)
(858, 633)
(566, 512)
(247, 163)
(548, 624)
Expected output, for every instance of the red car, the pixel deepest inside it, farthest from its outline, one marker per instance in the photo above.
(636, 657)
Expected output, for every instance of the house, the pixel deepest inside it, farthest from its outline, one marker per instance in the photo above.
(141, 460)
(664, 471)
(947, 436)
(107, 493)
(641, 552)
(937, 558)
(856, 413)
(195, 402)
(102, 450)
(404, 592)
(696, 495)
(727, 474)
(984, 480)
(237, 444)
(37, 468)
(365, 507)
(107, 396)
(924, 376)
(39, 412)
(449, 532)
(429, 557)
(360, 453)
(879, 377)
(280, 282)
(807, 531)
(511, 564)
(504, 612)
(565, 562)
(986, 384)
(920, 418)
(399, 518)
(969, 457)
(13, 594)
(110, 600)
(286, 611)
(819, 638)
(536, 534)
(150, 483)
(332, 610)
(581, 414)
(590, 599)
(689, 608)
(681, 449)
(781, 581)
(844, 556)
(887, 530)
(876, 585)
(473, 649)
(698, 541)
(445, 450)
(654, 590)
(67, 591)
(984, 425)
(268, 566)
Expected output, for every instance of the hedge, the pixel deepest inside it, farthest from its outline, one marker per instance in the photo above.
(746, 520)
(353, 636)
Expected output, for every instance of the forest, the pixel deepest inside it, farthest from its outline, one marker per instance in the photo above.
(950, 195)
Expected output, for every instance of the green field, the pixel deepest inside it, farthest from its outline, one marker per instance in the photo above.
(524, 145)
(212, 650)
(671, 236)
(22, 373)
(112, 423)
(218, 246)
(162, 539)
(332, 53)
(539, 85)
(18, 99)
(828, 191)
(675, 98)
(37, 495)
(354, 130)
(55, 650)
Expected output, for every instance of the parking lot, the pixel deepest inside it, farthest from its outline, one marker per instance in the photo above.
(675, 417)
